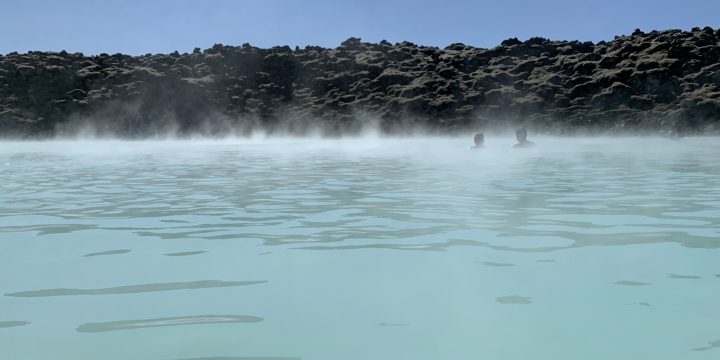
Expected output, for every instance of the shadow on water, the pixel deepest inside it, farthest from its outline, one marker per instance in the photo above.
(169, 321)
(131, 289)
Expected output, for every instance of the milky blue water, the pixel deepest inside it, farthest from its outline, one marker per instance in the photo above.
(367, 248)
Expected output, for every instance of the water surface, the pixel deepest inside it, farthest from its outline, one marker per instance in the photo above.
(418, 248)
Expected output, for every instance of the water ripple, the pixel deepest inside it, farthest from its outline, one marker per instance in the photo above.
(8, 324)
(711, 345)
(514, 299)
(169, 321)
(680, 276)
(108, 252)
(132, 289)
(242, 358)
(631, 283)
(186, 253)
(497, 264)
(596, 198)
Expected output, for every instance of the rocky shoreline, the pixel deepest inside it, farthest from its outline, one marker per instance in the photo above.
(660, 82)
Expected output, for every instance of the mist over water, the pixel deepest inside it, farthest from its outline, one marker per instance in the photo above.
(360, 247)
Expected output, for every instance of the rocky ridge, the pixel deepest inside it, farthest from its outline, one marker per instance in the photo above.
(660, 82)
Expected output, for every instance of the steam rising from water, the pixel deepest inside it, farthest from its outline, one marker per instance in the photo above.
(369, 142)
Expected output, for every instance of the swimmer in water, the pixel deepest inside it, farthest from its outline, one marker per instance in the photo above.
(479, 139)
(521, 136)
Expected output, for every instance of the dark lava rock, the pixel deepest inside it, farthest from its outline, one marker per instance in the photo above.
(658, 81)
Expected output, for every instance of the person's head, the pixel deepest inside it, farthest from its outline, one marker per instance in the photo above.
(479, 139)
(521, 134)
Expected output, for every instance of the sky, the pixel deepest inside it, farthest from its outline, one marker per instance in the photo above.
(162, 26)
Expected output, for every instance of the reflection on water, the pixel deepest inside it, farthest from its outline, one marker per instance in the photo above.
(186, 253)
(543, 201)
(131, 289)
(514, 299)
(171, 321)
(367, 247)
(641, 304)
(7, 324)
(679, 276)
(631, 283)
(242, 358)
(392, 324)
(711, 345)
(497, 264)
(108, 252)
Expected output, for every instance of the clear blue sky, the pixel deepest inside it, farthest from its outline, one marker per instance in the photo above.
(154, 26)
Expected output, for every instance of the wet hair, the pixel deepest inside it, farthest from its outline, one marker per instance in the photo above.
(479, 138)
(521, 134)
